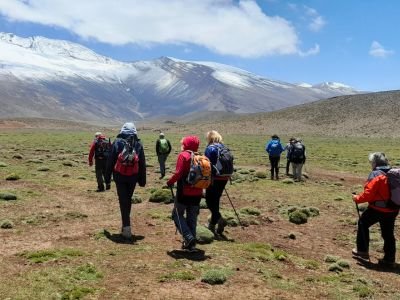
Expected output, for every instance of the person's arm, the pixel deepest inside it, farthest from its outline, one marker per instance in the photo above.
(374, 190)
(169, 147)
(267, 146)
(111, 160)
(158, 147)
(91, 153)
(179, 170)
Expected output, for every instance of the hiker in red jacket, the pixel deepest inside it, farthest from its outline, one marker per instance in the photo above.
(100, 149)
(377, 194)
(187, 197)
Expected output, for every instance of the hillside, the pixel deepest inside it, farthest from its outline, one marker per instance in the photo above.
(370, 115)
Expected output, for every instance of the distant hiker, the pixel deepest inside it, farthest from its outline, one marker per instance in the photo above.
(127, 164)
(274, 149)
(222, 162)
(297, 157)
(377, 194)
(288, 148)
(163, 149)
(100, 150)
(187, 197)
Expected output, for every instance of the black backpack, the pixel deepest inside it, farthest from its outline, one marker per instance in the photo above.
(297, 154)
(224, 165)
(102, 148)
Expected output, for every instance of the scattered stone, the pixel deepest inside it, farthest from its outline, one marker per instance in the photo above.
(292, 236)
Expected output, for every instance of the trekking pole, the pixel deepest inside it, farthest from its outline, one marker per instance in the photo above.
(358, 209)
(237, 216)
(176, 211)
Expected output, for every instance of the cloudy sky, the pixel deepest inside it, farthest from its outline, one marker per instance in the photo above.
(294, 41)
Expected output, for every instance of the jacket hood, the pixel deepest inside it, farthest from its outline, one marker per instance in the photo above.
(191, 143)
(128, 129)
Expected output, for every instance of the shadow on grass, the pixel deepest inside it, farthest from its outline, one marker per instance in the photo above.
(183, 254)
(376, 267)
(119, 239)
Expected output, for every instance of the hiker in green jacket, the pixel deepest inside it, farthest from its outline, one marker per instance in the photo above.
(163, 149)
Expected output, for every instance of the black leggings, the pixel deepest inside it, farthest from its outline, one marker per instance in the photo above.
(125, 192)
(213, 196)
(274, 165)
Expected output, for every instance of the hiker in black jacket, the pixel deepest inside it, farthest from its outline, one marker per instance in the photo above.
(127, 164)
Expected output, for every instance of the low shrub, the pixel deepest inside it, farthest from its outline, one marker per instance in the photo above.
(68, 163)
(288, 181)
(335, 268)
(343, 263)
(250, 211)
(331, 258)
(261, 174)
(204, 235)
(13, 177)
(3, 165)
(6, 224)
(43, 169)
(7, 196)
(136, 199)
(298, 217)
(215, 276)
(160, 196)
(17, 156)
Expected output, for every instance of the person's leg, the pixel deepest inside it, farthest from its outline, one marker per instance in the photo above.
(287, 167)
(299, 172)
(386, 222)
(192, 212)
(276, 165)
(123, 191)
(161, 160)
(213, 203)
(294, 170)
(367, 219)
(99, 174)
(180, 221)
(271, 162)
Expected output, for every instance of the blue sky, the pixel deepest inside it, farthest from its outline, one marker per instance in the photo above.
(309, 41)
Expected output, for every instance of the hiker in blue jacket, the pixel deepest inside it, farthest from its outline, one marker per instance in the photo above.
(274, 149)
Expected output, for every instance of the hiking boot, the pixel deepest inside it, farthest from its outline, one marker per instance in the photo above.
(126, 232)
(221, 225)
(108, 186)
(360, 254)
(100, 188)
(277, 177)
(272, 177)
(189, 244)
(386, 263)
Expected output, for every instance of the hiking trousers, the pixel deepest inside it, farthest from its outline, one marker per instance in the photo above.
(386, 221)
(100, 169)
(125, 192)
(162, 158)
(274, 161)
(213, 197)
(287, 166)
(186, 225)
(297, 169)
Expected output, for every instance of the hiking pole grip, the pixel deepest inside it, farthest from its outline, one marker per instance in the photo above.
(358, 209)
(237, 216)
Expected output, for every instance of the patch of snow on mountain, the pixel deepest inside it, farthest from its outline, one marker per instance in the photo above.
(231, 79)
(304, 84)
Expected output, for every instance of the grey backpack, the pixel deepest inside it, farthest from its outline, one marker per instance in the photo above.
(393, 176)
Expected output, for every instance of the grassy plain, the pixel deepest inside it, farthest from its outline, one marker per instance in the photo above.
(62, 242)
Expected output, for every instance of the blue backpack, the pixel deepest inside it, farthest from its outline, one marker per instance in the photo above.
(275, 148)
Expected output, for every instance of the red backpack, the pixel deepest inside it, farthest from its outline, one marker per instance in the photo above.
(128, 160)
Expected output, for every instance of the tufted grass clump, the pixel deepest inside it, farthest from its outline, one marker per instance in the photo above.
(204, 235)
(87, 272)
(288, 181)
(314, 211)
(335, 268)
(298, 217)
(42, 256)
(215, 276)
(7, 196)
(203, 204)
(331, 258)
(17, 156)
(343, 263)
(3, 164)
(250, 211)
(136, 199)
(13, 177)
(68, 163)
(160, 196)
(43, 169)
(177, 276)
(6, 224)
(261, 174)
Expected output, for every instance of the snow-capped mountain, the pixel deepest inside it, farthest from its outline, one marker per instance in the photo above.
(40, 77)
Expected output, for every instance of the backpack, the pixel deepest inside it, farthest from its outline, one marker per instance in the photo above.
(164, 147)
(275, 148)
(128, 160)
(393, 176)
(224, 165)
(102, 148)
(200, 171)
(297, 153)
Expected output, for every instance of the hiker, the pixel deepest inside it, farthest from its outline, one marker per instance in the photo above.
(274, 149)
(163, 149)
(377, 194)
(220, 177)
(100, 150)
(297, 157)
(127, 164)
(288, 148)
(187, 197)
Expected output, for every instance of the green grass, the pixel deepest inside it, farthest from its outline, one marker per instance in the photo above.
(177, 276)
(215, 276)
(51, 255)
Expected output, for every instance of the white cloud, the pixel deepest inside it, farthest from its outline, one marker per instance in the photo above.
(223, 26)
(317, 22)
(377, 50)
